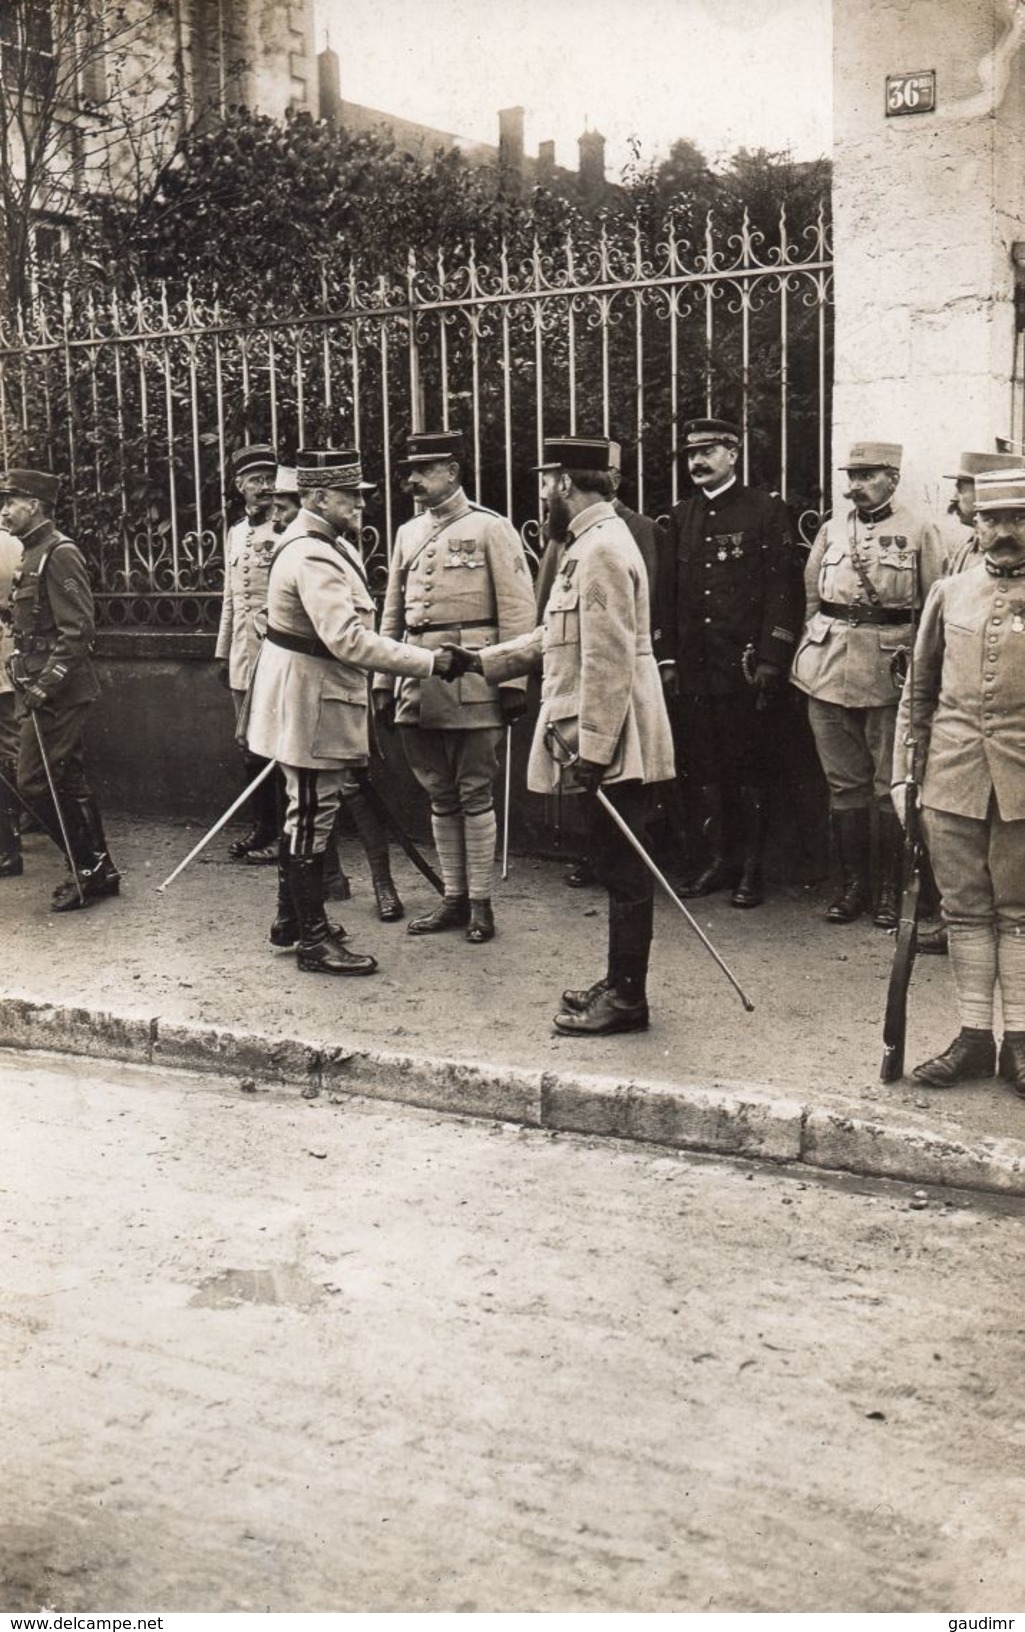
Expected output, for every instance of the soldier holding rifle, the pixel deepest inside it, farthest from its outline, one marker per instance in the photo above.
(967, 704)
(602, 705)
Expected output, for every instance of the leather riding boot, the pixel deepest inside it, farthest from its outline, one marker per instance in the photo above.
(375, 842)
(482, 922)
(284, 931)
(580, 875)
(1012, 1061)
(891, 871)
(720, 872)
(11, 865)
(96, 873)
(576, 998)
(260, 845)
(754, 812)
(972, 1054)
(619, 1002)
(320, 952)
(452, 912)
(851, 835)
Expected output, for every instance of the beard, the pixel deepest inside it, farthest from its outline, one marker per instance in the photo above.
(559, 518)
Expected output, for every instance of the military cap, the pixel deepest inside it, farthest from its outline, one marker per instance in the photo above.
(286, 481)
(254, 456)
(31, 484)
(707, 433)
(428, 447)
(972, 464)
(874, 456)
(572, 453)
(330, 467)
(1000, 490)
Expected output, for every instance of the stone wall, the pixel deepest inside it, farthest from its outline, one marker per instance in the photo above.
(927, 207)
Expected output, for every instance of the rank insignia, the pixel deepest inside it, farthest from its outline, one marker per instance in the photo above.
(596, 596)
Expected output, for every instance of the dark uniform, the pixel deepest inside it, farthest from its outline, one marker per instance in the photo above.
(10, 838)
(731, 601)
(53, 629)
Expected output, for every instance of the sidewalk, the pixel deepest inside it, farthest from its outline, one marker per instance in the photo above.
(188, 978)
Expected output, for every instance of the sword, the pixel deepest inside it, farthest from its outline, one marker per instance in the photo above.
(57, 808)
(629, 834)
(505, 812)
(228, 814)
(401, 838)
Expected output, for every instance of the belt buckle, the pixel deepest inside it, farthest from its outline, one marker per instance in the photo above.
(853, 616)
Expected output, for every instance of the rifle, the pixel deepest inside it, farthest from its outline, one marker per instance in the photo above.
(896, 1017)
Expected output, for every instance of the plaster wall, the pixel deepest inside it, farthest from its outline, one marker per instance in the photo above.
(927, 207)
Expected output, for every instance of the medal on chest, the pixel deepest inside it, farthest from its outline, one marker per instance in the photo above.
(1017, 610)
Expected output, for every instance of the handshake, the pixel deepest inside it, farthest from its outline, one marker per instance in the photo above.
(450, 662)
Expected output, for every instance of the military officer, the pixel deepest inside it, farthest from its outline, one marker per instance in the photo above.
(10, 832)
(602, 696)
(285, 505)
(53, 626)
(963, 713)
(309, 699)
(867, 575)
(247, 558)
(962, 505)
(458, 573)
(731, 611)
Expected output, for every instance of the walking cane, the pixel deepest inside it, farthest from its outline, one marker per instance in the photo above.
(628, 833)
(57, 808)
(228, 814)
(505, 812)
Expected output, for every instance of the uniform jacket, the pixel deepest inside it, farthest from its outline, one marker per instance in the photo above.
(966, 555)
(458, 573)
(600, 683)
(850, 665)
(247, 558)
(312, 711)
(968, 700)
(10, 560)
(53, 619)
(732, 580)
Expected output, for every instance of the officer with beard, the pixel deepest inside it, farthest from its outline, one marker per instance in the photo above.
(963, 713)
(601, 702)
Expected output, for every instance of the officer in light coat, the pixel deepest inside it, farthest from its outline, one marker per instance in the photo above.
(866, 577)
(962, 712)
(247, 558)
(11, 865)
(602, 696)
(458, 573)
(310, 698)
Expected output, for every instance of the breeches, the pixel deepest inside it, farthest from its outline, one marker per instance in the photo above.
(728, 740)
(63, 733)
(457, 769)
(979, 867)
(615, 862)
(855, 749)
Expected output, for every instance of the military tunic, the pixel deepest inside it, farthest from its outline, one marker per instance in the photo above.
(857, 621)
(731, 599)
(967, 710)
(309, 707)
(10, 560)
(247, 562)
(53, 627)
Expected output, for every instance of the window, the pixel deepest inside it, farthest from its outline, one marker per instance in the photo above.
(26, 45)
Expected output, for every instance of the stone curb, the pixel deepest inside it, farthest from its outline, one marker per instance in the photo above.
(752, 1125)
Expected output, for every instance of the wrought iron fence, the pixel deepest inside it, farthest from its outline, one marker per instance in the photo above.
(138, 402)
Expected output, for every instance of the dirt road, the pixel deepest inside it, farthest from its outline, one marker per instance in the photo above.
(263, 1353)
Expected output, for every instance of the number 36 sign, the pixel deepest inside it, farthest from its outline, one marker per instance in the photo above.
(911, 93)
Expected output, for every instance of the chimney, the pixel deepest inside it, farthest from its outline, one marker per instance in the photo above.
(330, 85)
(592, 164)
(510, 145)
(545, 163)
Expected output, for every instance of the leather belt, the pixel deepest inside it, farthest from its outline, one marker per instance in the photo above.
(308, 645)
(857, 612)
(443, 628)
